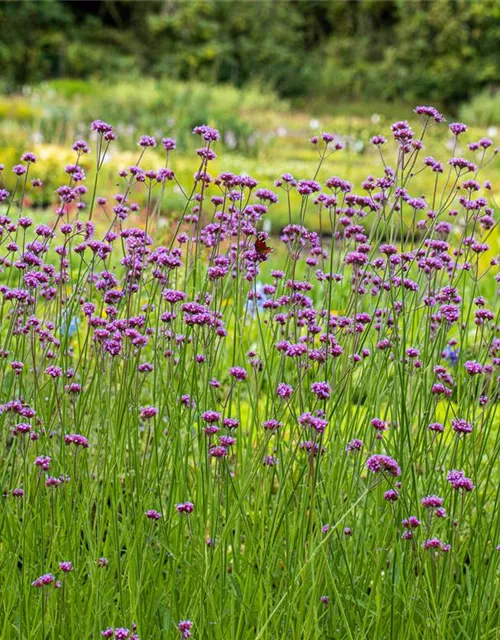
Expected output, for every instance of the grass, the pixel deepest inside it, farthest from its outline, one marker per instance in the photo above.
(285, 538)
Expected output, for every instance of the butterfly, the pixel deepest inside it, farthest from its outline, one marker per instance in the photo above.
(261, 247)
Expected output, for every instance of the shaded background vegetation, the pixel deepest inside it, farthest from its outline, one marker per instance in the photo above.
(390, 49)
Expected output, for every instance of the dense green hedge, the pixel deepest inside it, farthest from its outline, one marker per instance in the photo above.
(443, 50)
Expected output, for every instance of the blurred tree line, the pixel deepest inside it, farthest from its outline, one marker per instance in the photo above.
(444, 50)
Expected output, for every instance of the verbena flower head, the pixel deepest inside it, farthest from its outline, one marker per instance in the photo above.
(391, 495)
(43, 462)
(411, 523)
(169, 144)
(238, 373)
(44, 581)
(430, 112)
(147, 413)
(354, 445)
(80, 146)
(147, 141)
(101, 127)
(457, 128)
(431, 502)
(459, 481)
(29, 157)
(284, 391)
(272, 424)
(211, 416)
(185, 626)
(207, 133)
(432, 544)
(461, 426)
(383, 464)
(76, 440)
(185, 507)
(321, 389)
(473, 368)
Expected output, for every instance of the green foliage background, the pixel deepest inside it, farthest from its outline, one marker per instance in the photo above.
(391, 49)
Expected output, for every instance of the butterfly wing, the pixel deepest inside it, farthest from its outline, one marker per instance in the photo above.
(261, 246)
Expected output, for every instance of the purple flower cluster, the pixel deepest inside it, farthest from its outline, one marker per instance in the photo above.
(185, 627)
(458, 481)
(383, 464)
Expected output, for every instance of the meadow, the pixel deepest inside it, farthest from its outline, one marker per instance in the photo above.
(249, 391)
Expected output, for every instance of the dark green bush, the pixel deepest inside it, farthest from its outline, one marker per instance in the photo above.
(444, 50)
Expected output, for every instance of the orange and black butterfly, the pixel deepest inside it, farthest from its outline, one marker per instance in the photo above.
(261, 247)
